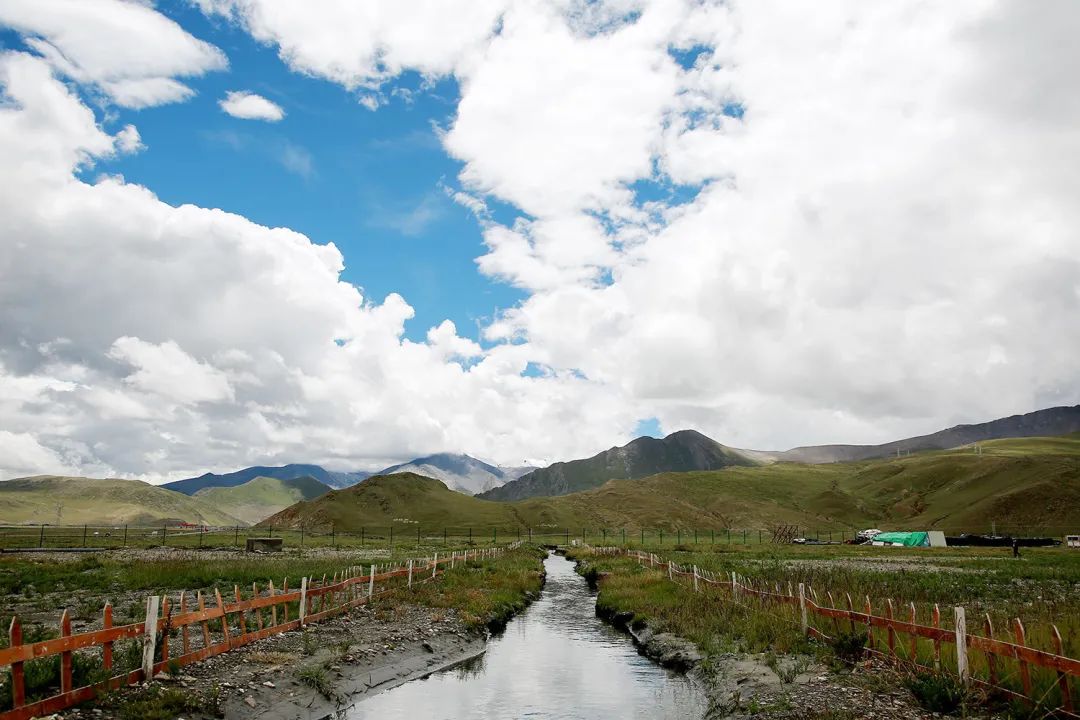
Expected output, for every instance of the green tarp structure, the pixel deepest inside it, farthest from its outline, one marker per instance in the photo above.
(909, 539)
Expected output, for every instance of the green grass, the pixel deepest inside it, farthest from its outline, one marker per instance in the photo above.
(102, 574)
(109, 502)
(486, 593)
(1028, 486)
(261, 497)
(1040, 588)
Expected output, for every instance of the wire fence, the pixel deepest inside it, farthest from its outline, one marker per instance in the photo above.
(45, 536)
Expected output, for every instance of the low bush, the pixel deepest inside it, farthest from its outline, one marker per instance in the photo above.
(936, 691)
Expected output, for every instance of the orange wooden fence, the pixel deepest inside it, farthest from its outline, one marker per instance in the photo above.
(204, 631)
(809, 605)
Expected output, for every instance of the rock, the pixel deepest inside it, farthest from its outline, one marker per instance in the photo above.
(427, 646)
(250, 701)
(269, 684)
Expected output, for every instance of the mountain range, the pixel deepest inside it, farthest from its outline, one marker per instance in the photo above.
(190, 486)
(678, 452)
(1029, 483)
(54, 499)
(1041, 423)
(459, 472)
(251, 494)
(688, 450)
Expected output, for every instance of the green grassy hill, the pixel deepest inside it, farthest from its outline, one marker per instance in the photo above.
(680, 451)
(261, 497)
(101, 502)
(1027, 481)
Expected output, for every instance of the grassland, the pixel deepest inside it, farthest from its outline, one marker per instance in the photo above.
(1042, 588)
(261, 497)
(1029, 484)
(75, 501)
(482, 593)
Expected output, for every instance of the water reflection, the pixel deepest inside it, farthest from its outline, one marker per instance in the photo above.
(556, 661)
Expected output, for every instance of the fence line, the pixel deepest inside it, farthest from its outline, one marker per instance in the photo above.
(116, 536)
(315, 600)
(808, 604)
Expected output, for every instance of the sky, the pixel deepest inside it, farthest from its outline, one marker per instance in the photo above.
(242, 232)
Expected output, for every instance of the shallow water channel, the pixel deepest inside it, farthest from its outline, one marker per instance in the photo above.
(556, 660)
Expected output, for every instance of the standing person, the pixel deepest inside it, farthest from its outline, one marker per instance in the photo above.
(1016, 548)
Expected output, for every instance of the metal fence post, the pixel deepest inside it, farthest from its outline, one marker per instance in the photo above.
(164, 533)
(41, 539)
(84, 535)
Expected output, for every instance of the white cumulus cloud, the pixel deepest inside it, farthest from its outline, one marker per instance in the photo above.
(128, 50)
(840, 222)
(249, 106)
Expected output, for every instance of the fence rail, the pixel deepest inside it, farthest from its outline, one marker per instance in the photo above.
(205, 631)
(807, 602)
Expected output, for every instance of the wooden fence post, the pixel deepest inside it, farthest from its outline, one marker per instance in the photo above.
(695, 579)
(1063, 679)
(258, 611)
(435, 566)
(205, 624)
(107, 646)
(410, 572)
(18, 676)
(224, 617)
(937, 641)
(913, 641)
(150, 636)
(802, 608)
(869, 624)
(284, 605)
(1025, 669)
(240, 616)
(273, 608)
(669, 577)
(303, 600)
(371, 584)
(185, 639)
(891, 635)
(165, 614)
(991, 658)
(961, 645)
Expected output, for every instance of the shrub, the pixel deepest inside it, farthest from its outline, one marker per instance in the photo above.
(849, 648)
(937, 692)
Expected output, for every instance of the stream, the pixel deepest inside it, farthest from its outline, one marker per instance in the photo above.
(557, 660)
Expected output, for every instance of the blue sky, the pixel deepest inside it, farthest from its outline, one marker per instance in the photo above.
(373, 183)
